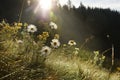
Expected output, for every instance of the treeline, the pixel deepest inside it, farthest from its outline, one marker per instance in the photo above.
(102, 24)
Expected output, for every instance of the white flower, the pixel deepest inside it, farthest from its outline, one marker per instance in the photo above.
(53, 25)
(19, 41)
(71, 42)
(45, 50)
(31, 28)
(55, 43)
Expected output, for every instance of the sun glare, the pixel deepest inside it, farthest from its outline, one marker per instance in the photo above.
(46, 4)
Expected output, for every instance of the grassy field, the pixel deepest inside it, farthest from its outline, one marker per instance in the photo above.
(25, 55)
(74, 68)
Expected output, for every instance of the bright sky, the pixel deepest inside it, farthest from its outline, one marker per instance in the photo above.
(112, 4)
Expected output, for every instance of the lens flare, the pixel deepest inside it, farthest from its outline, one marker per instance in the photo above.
(45, 4)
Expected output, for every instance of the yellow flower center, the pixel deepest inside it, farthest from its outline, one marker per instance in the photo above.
(72, 42)
(32, 28)
(55, 43)
(45, 50)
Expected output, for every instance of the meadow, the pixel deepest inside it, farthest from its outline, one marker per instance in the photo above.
(25, 55)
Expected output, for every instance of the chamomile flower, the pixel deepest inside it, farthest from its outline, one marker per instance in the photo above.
(31, 28)
(53, 25)
(45, 50)
(55, 43)
(71, 43)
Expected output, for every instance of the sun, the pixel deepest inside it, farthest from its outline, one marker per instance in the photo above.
(45, 4)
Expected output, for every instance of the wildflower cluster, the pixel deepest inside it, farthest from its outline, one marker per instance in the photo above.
(43, 36)
(8, 30)
(70, 48)
(23, 47)
(21, 34)
(19, 43)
